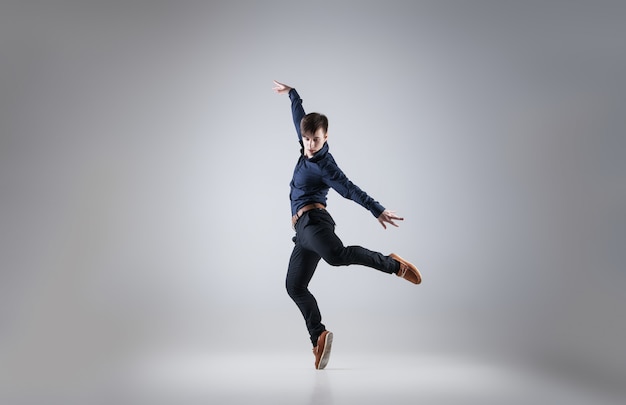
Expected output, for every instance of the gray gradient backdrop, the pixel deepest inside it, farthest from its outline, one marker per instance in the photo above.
(145, 162)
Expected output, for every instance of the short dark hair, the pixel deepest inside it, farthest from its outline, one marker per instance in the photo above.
(312, 122)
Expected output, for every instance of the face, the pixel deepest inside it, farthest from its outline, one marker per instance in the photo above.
(313, 142)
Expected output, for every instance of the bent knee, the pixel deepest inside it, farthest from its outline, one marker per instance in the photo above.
(336, 259)
(294, 290)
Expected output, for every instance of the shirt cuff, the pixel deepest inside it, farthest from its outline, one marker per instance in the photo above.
(377, 209)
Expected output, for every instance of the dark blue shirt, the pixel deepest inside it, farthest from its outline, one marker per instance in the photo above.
(312, 178)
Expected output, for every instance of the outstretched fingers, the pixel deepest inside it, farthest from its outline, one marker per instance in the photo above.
(382, 223)
(280, 88)
(389, 217)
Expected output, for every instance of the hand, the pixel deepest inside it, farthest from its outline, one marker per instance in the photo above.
(280, 88)
(389, 216)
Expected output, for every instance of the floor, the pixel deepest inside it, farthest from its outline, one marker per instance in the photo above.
(348, 379)
(192, 377)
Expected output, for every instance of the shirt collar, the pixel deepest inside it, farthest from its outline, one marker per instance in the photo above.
(320, 153)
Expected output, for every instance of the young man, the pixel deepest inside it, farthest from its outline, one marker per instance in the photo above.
(315, 173)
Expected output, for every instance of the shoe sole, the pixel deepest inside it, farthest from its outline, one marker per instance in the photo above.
(328, 342)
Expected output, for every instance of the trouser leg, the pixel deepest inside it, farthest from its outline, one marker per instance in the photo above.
(316, 239)
(302, 266)
(319, 236)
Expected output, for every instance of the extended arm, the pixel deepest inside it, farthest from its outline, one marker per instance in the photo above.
(297, 111)
(340, 183)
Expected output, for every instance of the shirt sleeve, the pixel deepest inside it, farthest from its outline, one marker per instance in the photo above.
(335, 178)
(297, 111)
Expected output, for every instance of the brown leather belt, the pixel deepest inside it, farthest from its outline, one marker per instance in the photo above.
(304, 209)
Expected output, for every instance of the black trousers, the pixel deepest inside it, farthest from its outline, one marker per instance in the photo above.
(315, 238)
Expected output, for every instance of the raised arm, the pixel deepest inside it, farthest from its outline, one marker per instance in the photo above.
(297, 111)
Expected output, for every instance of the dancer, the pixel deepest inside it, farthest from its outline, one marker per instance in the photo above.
(315, 173)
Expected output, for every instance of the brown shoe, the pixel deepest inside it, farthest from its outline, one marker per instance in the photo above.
(407, 271)
(322, 350)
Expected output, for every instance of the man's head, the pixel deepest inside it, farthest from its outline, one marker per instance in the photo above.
(314, 130)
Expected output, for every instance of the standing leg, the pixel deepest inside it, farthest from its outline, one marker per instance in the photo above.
(302, 265)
